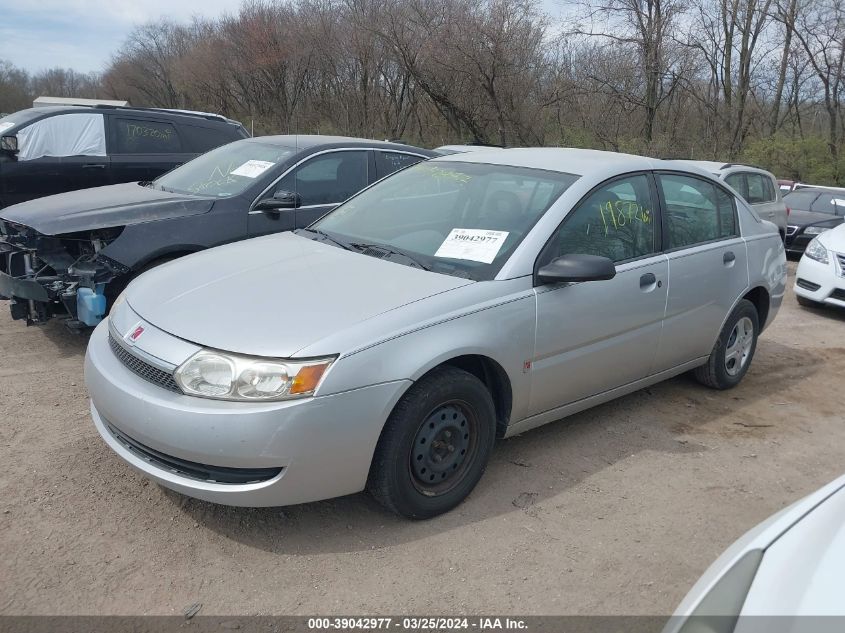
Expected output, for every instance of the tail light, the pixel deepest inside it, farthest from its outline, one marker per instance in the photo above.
(788, 211)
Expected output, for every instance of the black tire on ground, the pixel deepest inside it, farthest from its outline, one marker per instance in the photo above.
(435, 445)
(807, 303)
(734, 349)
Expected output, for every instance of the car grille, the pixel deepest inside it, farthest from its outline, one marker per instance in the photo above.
(838, 294)
(791, 229)
(841, 259)
(142, 368)
(193, 470)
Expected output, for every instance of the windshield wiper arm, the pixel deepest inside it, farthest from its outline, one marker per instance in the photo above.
(389, 250)
(328, 237)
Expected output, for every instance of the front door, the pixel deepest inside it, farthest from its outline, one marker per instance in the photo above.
(598, 335)
(322, 182)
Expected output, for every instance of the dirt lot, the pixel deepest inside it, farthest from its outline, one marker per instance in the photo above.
(614, 511)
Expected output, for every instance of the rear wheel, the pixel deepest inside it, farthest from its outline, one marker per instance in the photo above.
(731, 355)
(435, 445)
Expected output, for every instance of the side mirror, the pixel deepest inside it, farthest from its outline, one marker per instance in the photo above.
(575, 268)
(9, 144)
(280, 200)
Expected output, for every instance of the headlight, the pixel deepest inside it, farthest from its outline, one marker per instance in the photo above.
(211, 374)
(815, 230)
(816, 251)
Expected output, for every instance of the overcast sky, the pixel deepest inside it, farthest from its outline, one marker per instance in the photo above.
(83, 34)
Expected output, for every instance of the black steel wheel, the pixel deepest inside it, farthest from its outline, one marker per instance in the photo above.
(435, 445)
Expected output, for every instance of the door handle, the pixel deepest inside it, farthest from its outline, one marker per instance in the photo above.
(93, 166)
(647, 280)
(729, 257)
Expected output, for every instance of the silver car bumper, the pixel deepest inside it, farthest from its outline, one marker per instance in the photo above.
(268, 454)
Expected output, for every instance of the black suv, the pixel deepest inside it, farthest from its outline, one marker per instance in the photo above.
(71, 254)
(53, 149)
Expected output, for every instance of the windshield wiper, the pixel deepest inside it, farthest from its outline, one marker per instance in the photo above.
(388, 250)
(326, 236)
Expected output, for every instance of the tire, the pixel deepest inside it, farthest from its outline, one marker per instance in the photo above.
(435, 445)
(807, 303)
(734, 349)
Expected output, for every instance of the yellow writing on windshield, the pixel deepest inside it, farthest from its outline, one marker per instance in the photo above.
(439, 172)
(218, 178)
(616, 214)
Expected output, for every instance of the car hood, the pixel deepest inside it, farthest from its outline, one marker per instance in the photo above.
(798, 217)
(803, 571)
(272, 296)
(102, 207)
(834, 239)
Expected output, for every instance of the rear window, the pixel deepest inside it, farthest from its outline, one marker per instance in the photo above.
(138, 136)
(198, 140)
(830, 204)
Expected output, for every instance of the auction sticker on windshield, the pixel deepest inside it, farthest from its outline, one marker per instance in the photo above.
(252, 168)
(478, 245)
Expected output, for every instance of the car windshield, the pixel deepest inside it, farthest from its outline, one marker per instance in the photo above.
(17, 118)
(455, 218)
(226, 171)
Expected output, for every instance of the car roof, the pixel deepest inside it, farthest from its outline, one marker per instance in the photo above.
(187, 116)
(717, 167)
(571, 160)
(309, 141)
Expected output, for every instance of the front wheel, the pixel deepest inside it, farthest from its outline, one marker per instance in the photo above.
(435, 445)
(731, 355)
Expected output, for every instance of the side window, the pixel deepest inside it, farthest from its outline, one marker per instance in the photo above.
(737, 181)
(135, 136)
(757, 190)
(199, 140)
(615, 221)
(388, 162)
(696, 211)
(328, 178)
(79, 134)
(771, 190)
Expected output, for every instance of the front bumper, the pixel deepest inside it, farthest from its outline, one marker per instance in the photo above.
(320, 447)
(797, 242)
(824, 283)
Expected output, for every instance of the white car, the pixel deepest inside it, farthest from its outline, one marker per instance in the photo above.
(820, 277)
(792, 564)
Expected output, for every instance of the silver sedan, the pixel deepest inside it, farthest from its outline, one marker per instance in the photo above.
(388, 345)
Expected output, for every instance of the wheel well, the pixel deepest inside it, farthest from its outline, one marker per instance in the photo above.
(494, 378)
(759, 296)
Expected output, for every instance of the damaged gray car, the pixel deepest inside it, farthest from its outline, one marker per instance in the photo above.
(71, 254)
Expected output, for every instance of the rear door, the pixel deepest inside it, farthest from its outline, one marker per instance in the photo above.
(143, 148)
(387, 162)
(708, 267)
(598, 335)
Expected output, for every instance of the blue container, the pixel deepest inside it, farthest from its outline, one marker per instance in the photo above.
(90, 305)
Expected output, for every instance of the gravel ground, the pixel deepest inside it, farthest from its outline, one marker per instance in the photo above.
(613, 511)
